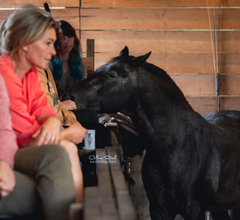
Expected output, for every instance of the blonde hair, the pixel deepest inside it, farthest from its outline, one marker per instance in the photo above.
(2, 29)
(24, 26)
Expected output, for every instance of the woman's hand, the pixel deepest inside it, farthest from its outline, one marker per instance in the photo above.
(74, 133)
(7, 179)
(69, 104)
(49, 132)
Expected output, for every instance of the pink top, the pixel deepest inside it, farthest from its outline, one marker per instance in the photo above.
(27, 100)
(8, 144)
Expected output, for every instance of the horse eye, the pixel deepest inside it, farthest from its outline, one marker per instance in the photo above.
(111, 75)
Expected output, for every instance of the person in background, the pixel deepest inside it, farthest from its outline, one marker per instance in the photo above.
(67, 66)
(86, 117)
(66, 117)
(33, 180)
(27, 43)
(67, 69)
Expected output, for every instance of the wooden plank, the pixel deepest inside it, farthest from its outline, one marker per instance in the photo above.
(203, 105)
(204, 84)
(39, 3)
(200, 84)
(154, 3)
(91, 203)
(162, 41)
(88, 62)
(207, 104)
(230, 103)
(157, 18)
(70, 15)
(229, 84)
(108, 209)
(90, 48)
(4, 14)
(124, 203)
(180, 63)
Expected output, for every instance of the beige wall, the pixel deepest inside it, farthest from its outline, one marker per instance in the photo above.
(177, 33)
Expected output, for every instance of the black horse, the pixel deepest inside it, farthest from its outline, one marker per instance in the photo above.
(192, 165)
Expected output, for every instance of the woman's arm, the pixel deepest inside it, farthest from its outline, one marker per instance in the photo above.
(49, 131)
(8, 144)
(7, 179)
(69, 104)
(74, 133)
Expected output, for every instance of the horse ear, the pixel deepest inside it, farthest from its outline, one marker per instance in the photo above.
(124, 52)
(138, 61)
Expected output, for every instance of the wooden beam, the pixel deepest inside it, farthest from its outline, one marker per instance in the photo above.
(162, 41)
(181, 63)
(70, 15)
(154, 3)
(157, 18)
(40, 3)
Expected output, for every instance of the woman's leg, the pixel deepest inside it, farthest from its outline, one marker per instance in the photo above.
(49, 166)
(23, 200)
(76, 169)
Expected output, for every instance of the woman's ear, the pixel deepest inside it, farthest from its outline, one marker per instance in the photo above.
(25, 48)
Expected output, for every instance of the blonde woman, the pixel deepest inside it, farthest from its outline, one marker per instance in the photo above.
(27, 43)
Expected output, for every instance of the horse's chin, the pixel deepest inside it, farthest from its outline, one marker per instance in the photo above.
(96, 108)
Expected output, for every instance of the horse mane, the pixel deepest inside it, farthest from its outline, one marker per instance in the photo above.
(174, 92)
(166, 82)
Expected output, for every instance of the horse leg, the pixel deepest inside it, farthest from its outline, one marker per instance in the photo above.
(220, 215)
(236, 214)
(196, 216)
(158, 212)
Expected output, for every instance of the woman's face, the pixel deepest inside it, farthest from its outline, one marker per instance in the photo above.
(39, 53)
(66, 43)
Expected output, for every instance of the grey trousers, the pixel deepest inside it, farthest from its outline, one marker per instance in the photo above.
(44, 184)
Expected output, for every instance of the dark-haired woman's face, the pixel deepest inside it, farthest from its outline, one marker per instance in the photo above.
(66, 44)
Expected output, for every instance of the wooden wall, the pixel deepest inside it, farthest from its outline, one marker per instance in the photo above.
(177, 32)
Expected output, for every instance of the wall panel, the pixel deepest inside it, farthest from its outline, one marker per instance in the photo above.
(154, 3)
(39, 3)
(70, 15)
(180, 36)
(157, 18)
(180, 63)
(162, 41)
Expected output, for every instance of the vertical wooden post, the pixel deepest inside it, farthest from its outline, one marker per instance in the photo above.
(90, 50)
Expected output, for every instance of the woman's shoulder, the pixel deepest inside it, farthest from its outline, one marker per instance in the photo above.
(83, 70)
(5, 61)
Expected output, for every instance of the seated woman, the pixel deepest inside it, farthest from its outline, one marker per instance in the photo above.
(67, 69)
(67, 66)
(39, 172)
(87, 118)
(63, 113)
(27, 42)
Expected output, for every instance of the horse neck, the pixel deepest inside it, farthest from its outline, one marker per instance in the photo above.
(161, 111)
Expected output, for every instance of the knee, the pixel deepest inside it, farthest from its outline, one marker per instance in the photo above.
(54, 152)
(70, 148)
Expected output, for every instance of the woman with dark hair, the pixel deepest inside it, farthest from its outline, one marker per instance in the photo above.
(67, 66)
(67, 69)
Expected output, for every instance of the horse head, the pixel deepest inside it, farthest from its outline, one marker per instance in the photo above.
(111, 87)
